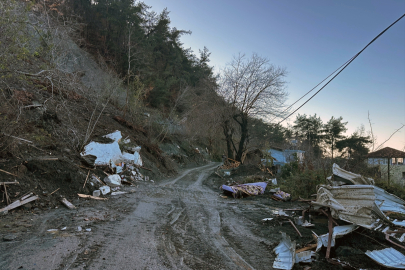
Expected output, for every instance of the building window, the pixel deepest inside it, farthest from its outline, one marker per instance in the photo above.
(400, 161)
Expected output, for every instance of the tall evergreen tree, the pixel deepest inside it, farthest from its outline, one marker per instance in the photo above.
(332, 132)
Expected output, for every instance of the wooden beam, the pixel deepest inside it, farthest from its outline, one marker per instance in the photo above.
(8, 173)
(9, 183)
(19, 203)
(91, 197)
(330, 225)
(295, 228)
(67, 203)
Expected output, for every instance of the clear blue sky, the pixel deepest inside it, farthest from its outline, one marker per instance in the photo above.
(311, 39)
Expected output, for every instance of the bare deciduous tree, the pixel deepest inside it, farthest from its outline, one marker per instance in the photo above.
(252, 87)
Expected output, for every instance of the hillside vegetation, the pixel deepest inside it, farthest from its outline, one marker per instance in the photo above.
(72, 71)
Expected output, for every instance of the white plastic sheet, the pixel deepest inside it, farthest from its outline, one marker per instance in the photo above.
(285, 252)
(106, 152)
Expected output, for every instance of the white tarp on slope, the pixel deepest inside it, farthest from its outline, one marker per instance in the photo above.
(105, 152)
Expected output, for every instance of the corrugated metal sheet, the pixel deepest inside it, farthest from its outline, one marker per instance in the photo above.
(285, 252)
(348, 177)
(351, 203)
(388, 257)
(338, 232)
(388, 202)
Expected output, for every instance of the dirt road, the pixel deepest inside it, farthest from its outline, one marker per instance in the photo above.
(178, 223)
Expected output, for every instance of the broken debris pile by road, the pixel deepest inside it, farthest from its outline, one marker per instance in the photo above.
(243, 190)
(354, 200)
(117, 158)
(123, 165)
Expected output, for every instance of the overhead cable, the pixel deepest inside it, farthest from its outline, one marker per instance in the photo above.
(350, 61)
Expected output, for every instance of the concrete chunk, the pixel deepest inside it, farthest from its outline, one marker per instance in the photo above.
(113, 180)
(105, 190)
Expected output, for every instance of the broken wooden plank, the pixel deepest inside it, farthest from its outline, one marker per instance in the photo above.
(86, 179)
(7, 197)
(26, 196)
(98, 179)
(48, 158)
(9, 183)
(8, 172)
(84, 167)
(91, 197)
(19, 203)
(54, 191)
(67, 204)
(330, 226)
(312, 246)
(292, 223)
(125, 182)
(145, 168)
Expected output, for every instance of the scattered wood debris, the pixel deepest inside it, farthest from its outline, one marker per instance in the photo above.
(68, 204)
(7, 172)
(53, 191)
(91, 197)
(25, 199)
(230, 164)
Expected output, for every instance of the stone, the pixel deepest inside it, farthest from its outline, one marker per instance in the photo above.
(96, 193)
(105, 190)
(89, 160)
(113, 180)
(9, 237)
(27, 206)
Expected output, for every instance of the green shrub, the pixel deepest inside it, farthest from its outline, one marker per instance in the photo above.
(302, 184)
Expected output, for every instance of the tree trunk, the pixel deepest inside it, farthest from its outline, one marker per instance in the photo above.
(228, 132)
(243, 137)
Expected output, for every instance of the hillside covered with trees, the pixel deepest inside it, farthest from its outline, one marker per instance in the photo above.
(151, 74)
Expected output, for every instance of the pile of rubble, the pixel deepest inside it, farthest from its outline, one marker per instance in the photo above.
(355, 200)
(121, 167)
(229, 164)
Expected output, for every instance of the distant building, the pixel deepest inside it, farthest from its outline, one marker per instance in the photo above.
(279, 157)
(391, 163)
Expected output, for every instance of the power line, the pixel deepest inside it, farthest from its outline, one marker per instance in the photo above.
(312, 89)
(351, 60)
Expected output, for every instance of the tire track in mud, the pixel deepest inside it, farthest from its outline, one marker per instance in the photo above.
(202, 226)
(177, 224)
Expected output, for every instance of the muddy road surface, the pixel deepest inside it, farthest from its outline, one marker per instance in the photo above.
(178, 223)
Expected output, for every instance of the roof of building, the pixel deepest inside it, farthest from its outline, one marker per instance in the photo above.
(278, 156)
(387, 152)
